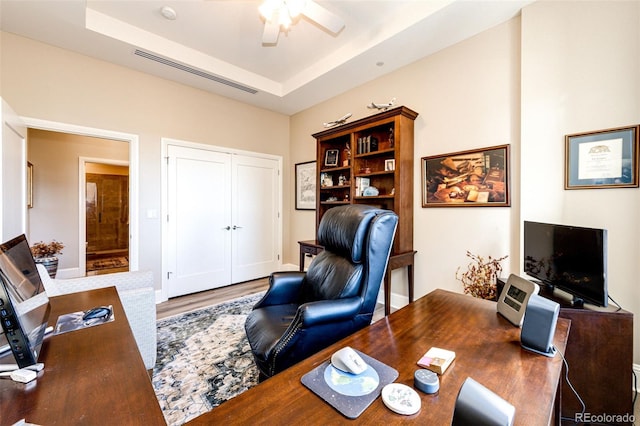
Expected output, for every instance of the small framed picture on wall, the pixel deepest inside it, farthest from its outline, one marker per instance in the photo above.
(306, 186)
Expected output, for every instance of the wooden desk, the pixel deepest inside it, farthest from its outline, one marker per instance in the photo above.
(487, 349)
(396, 261)
(91, 376)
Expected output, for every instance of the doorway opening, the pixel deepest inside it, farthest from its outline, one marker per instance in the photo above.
(72, 223)
(106, 218)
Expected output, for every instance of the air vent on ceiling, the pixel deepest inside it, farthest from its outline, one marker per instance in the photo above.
(194, 71)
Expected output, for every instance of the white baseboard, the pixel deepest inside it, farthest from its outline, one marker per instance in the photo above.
(68, 273)
(161, 296)
(397, 300)
(290, 267)
(636, 369)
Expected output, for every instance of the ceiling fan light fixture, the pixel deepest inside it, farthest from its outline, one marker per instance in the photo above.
(284, 19)
(281, 11)
(269, 8)
(295, 7)
(169, 13)
(279, 15)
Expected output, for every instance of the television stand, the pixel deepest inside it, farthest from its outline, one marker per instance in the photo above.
(563, 298)
(600, 357)
(577, 302)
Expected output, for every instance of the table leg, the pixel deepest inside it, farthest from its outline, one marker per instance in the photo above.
(410, 279)
(387, 292)
(395, 262)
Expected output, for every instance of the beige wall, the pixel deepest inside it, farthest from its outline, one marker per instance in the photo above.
(55, 158)
(467, 97)
(107, 169)
(565, 67)
(47, 83)
(581, 72)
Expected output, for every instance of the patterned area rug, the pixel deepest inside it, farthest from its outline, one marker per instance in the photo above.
(204, 359)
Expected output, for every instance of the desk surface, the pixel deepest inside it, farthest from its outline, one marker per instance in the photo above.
(487, 349)
(92, 376)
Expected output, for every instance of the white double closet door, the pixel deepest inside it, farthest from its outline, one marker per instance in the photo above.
(223, 218)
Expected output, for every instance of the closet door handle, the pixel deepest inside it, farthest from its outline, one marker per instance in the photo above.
(227, 228)
(236, 227)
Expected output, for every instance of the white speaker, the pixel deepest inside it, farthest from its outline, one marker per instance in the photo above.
(539, 325)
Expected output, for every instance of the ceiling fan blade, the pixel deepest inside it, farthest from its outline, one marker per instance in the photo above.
(323, 17)
(271, 32)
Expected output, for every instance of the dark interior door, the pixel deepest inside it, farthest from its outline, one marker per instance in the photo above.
(107, 211)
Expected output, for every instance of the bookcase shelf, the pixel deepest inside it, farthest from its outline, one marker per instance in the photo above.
(376, 151)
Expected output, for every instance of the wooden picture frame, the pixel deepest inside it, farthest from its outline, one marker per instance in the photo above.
(331, 157)
(305, 174)
(602, 159)
(474, 178)
(389, 165)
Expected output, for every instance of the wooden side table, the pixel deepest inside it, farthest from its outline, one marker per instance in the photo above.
(396, 261)
(309, 247)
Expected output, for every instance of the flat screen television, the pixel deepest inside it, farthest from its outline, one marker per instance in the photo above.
(570, 258)
(24, 305)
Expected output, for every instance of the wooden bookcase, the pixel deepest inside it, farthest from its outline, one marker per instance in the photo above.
(375, 152)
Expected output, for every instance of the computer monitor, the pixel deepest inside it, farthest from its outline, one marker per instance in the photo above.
(24, 305)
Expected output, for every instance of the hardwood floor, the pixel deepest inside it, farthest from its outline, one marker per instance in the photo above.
(190, 302)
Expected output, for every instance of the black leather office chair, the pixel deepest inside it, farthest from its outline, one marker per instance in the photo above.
(302, 313)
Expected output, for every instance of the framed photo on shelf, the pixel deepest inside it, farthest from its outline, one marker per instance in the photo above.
(306, 186)
(602, 159)
(389, 165)
(331, 157)
(474, 178)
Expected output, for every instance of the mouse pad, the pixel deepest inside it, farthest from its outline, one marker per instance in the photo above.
(73, 321)
(350, 394)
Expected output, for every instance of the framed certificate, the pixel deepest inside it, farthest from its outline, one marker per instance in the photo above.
(602, 159)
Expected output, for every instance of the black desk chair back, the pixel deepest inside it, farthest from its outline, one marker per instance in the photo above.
(302, 313)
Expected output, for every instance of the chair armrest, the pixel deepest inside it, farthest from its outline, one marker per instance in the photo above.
(284, 288)
(137, 294)
(140, 308)
(329, 311)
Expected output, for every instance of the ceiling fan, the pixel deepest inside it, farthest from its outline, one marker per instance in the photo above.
(280, 14)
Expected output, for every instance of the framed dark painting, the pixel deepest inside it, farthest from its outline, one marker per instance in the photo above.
(474, 178)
